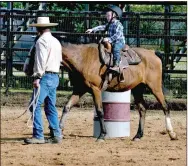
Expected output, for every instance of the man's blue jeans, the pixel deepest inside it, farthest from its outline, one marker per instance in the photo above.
(117, 47)
(48, 86)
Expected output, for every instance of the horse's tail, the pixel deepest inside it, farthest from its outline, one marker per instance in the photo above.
(165, 90)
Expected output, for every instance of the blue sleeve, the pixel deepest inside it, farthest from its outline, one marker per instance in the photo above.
(99, 28)
(118, 33)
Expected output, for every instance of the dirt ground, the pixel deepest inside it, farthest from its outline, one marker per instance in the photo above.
(80, 148)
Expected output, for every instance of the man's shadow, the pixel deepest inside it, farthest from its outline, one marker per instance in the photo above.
(21, 139)
(11, 140)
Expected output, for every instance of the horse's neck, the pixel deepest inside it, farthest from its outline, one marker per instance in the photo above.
(101, 52)
(65, 44)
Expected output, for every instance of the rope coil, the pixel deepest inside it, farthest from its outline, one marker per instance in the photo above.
(36, 94)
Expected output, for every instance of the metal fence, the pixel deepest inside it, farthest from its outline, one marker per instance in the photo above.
(164, 32)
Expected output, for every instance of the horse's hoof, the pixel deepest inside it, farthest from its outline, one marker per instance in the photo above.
(60, 126)
(164, 132)
(100, 140)
(173, 139)
(136, 139)
(173, 136)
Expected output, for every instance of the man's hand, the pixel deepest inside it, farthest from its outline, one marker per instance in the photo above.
(89, 31)
(36, 83)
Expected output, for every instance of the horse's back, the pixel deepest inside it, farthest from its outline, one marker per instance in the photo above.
(91, 45)
(147, 55)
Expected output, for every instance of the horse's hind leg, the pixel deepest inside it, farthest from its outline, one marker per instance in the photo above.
(157, 91)
(140, 104)
(72, 101)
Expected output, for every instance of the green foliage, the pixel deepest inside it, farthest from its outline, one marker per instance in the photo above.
(178, 28)
(97, 7)
(178, 87)
(146, 8)
(157, 8)
(64, 6)
(3, 4)
(79, 27)
(18, 5)
(73, 6)
(179, 8)
(95, 23)
(151, 28)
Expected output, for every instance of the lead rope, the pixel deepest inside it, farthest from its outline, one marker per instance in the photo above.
(34, 102)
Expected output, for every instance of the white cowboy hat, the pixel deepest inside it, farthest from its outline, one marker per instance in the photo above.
(43, 22)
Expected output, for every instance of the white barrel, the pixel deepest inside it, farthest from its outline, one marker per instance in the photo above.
(116, 106)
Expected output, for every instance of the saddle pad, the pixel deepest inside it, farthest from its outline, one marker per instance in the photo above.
(131, 57)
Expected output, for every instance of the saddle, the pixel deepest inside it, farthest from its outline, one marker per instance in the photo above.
(128, 57)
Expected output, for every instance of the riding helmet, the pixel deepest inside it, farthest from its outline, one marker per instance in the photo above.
(115, 9)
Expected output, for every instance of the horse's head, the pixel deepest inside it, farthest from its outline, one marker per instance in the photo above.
(106, 44)
(105, 49)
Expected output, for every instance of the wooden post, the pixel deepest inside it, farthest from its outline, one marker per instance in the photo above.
(87, 22)
(166, 39)
(127, 24)
(138, 31)
(8, 52)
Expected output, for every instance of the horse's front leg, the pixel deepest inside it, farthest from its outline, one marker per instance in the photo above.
(72, 101)
(99, 110)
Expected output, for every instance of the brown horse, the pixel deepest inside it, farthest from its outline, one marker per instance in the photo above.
(86, 71)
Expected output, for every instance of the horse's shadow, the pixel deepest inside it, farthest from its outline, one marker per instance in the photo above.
(77, 135)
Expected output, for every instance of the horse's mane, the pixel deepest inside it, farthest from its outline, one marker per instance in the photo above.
(68, 44)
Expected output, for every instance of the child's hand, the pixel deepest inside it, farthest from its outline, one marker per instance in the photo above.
(89, 31)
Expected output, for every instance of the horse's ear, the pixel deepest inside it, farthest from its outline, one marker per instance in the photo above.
(100, 45)
(101, 40)
(108, 46)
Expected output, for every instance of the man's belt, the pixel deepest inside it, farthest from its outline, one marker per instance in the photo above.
(50, 72)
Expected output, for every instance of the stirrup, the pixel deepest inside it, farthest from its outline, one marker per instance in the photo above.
(115, 68)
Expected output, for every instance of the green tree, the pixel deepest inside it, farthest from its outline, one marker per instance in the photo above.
(146, 8)
(179, 8)
(3, 4)
(157, 8)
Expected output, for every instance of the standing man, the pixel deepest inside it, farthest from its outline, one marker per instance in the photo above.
(48, 57)
(114, 30)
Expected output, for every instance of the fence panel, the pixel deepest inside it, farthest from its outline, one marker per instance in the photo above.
(148, 30)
